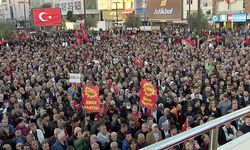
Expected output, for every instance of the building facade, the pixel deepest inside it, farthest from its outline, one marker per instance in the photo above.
(233, 14)
(76, 6)
(141, 9)
(17, 11)
(116, 10)
(205, 5)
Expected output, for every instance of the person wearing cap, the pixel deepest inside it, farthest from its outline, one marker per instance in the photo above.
(154, 136)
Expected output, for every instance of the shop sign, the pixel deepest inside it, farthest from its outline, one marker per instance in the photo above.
(164, 9)
(216, 18)
(223, 18)
(239, 17)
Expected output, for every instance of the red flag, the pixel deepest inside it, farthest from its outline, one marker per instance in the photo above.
(91, 98)
(148, 94)
(84, 36)
(138, 61)
(190, 42)
(228, 3)
(185, 126)
(47, 16)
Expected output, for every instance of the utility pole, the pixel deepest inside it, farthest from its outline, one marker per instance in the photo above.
(25, 18)
(84, 9)
(189, 7)
(116, 11)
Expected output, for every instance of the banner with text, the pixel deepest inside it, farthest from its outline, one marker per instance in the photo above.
(91, 98)
(148, 94)
(164, 9)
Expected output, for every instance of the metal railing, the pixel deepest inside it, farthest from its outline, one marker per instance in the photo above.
(211, 126)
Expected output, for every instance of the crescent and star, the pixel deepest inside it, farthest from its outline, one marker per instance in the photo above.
(41, 17)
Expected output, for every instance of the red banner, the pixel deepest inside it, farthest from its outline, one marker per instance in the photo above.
(148, 94)
(47, 17)
(91, 98)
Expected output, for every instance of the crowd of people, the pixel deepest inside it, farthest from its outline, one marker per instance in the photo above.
(41, 110)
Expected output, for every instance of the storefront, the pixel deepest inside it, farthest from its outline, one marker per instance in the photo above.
(110, 8)
(162, 11)
(230, 20)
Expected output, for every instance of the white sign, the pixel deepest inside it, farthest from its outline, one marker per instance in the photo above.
(69, 5)
(163, 11)
(74, 78)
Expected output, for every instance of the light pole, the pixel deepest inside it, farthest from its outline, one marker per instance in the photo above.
(84, 9)
(189, 7)
(145, 12)
(116, 11)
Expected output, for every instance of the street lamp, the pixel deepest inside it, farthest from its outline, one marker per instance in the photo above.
(145, 12)
(116, 9)
(84, 9)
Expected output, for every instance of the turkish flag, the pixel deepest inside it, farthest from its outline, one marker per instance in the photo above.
(47, 16)
(148, 94)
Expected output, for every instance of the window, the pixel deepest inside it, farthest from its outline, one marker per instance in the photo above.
(191, 2)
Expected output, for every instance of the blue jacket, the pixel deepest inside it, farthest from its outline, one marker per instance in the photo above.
(59, 146)
(125, 145)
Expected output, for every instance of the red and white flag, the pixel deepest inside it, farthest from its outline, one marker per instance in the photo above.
(47, 16)
(185, 126)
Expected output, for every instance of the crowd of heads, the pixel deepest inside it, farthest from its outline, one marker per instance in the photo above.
(41, 109)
